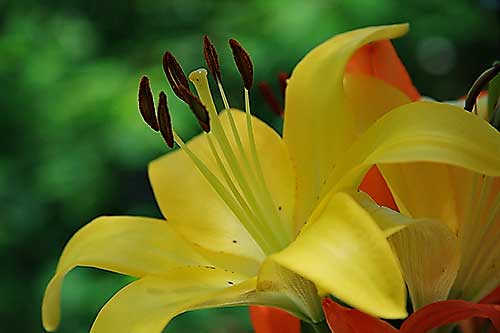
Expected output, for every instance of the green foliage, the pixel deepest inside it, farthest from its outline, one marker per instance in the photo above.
(74, 146)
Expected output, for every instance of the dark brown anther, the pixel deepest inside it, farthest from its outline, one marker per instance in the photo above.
(270, 98)
(211, 58)
(165, 121)
(243, 62)
(479, 85)
(146, 104)
(175, 74)
(282, 77)
(198, 109)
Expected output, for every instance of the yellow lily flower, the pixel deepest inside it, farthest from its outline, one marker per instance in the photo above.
(253, 218)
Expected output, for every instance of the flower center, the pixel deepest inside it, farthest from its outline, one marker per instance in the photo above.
(242, 185)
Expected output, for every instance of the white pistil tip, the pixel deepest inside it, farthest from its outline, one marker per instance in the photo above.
(198, 75)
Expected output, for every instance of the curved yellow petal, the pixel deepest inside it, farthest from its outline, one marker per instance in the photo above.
(421, 131)
(135, 246)
(148, 304)
(197, 212)
(345, 252)
(317, 128)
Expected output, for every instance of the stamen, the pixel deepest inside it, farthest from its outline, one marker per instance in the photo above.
(282, 80)
(211, 58)
(175, 75)
(230, 183)
(146, 104)
(199, 79)
(245, 67)
(245, 191)
(226, 197)
(283, 236)
(479, 85)
(270, 98)
(243, 62)
(199, 110)
(165, 121)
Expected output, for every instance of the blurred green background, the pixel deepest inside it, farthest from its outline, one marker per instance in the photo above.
(74, 146)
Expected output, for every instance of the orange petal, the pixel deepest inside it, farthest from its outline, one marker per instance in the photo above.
(447, 312)
(344, 320)
(376, 187)
(271, 320)
(379, 59)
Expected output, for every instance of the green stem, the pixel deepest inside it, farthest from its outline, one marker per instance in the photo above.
(321, 327)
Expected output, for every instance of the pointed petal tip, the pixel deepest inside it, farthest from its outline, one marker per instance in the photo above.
(51, 311)
(403, 28)
(394, 30)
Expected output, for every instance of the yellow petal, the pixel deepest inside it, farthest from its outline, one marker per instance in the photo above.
(479, 231)
(411, 185)
(389, 221)
(197, 212)
(428, 251)
(317, 128)
(429, 254)
(148, 305)
(421, 131)
(346, 253)
(128, 245)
